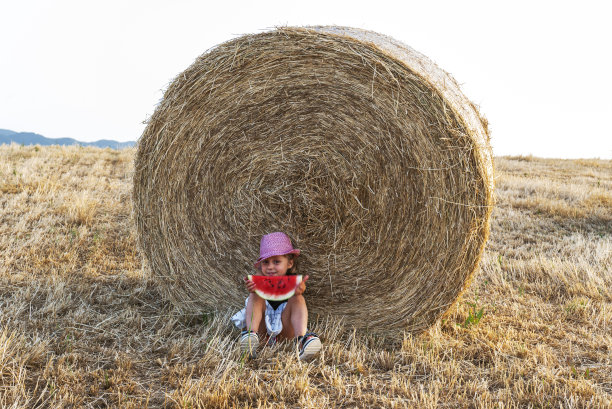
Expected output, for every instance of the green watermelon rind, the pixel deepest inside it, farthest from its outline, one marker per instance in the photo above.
(281, 297)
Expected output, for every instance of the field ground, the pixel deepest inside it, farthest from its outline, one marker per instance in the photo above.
(81, 325)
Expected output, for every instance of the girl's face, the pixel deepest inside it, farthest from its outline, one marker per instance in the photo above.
(276, 266)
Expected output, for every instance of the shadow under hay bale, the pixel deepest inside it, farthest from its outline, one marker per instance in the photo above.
(360, 148)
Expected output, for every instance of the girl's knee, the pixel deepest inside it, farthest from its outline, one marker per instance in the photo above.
(297, 301)
(255, 299)
(256, 302)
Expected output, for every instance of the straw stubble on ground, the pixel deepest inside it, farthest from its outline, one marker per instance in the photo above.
(82, 325)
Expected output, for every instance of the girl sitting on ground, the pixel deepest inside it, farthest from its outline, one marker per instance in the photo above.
(276, 320)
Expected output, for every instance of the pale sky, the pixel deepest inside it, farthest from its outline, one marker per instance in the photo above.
(539, 70)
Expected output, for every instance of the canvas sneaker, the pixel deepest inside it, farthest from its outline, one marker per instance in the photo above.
(309, 346)
(249, 341)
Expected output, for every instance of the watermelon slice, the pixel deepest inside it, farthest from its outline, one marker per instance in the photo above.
(275, 288)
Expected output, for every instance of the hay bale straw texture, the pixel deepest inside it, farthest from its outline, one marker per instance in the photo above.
(360, 148)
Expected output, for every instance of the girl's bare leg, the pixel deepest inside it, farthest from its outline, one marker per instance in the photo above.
(255, 309)
(294, 318)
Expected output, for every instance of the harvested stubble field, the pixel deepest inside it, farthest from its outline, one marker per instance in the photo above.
(82, 325)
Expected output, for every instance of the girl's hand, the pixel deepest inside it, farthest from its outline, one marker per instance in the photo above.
(299, 290)
(250, 286)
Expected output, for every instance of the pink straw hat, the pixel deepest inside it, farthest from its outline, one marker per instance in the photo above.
(275, 244)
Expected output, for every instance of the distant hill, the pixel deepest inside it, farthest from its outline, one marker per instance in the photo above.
(29, 138)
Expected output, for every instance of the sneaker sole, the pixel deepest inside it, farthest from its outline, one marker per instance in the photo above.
(311, 349)
(248, 345)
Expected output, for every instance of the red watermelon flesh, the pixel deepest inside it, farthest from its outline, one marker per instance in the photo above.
(275, 288)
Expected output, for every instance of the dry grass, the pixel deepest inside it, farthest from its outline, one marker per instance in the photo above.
(81, 325)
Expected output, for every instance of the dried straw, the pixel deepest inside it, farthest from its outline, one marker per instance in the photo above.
(360, 148)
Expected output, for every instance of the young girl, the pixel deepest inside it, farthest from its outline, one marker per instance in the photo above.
(276, 320)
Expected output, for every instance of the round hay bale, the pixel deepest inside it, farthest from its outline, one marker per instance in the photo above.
(358, 147)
